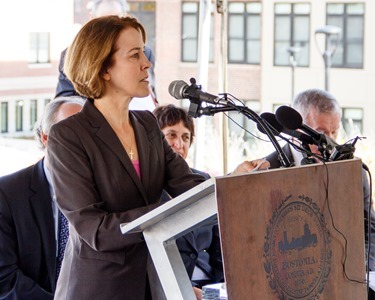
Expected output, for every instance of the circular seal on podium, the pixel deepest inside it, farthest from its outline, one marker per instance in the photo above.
(297, 254)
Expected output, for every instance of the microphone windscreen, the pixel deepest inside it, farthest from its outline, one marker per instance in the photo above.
(176, 89)
(271, 120)
(289, 117)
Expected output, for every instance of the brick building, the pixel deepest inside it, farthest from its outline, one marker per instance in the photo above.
(258, 68)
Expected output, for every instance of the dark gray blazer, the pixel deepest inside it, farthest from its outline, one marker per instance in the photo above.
(274, 163)
(27, 236)
(97, 189)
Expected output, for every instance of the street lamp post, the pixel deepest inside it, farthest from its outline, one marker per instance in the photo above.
(293, 63)
(332, 36)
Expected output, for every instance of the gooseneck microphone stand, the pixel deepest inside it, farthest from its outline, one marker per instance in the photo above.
(229, 106)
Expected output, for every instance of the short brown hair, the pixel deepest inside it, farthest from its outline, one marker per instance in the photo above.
(169, 115)
(90, 54)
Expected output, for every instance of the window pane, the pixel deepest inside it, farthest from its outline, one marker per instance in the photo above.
(253, 27)
(190, 27)
(354, 28)
(236, 8)
(236, 51)
(303, 56)
(33, 51)
(352, 119)
(353, 113)
(303, 8)
(33, 113)
(281, 53)
(4, 117)
(19, 115)
(189, 7)
(336, 21)
(253, 52)
(355, 8)
(190, 50)
(301, 28)
(282, 28)
(283, 8)
(354, 54)
(335, 9)
(236, 26)
(338, 56)
(43, 55)
(255, 8)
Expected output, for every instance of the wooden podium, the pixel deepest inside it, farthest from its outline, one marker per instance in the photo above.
(295, 233)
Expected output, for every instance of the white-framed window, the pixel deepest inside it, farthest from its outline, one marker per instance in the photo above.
(4, 117)
(292, 29)
(39, 47)
(244, 32)
(190, 27)
(350, 18)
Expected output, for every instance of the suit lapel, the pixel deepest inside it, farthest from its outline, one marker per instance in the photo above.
(105, 132)
(189, 237)
(41, 203)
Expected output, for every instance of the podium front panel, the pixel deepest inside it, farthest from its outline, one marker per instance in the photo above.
(294, 233)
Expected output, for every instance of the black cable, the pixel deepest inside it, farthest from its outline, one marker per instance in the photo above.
(337, 230)
(284, 160)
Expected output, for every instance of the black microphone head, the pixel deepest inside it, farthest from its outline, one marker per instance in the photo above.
(177, 88)
(289, 117)
(271, 120)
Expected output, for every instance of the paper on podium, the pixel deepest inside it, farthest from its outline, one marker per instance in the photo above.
(217, 291)
(372, 280)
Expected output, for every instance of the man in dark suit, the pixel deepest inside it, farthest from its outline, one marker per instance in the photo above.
(321, 111)
(101, 8)
(28, 214)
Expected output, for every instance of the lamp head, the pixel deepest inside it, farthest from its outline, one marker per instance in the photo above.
(328, 30)
(293, 50)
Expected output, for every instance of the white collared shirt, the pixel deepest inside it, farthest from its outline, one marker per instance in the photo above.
(55, 208)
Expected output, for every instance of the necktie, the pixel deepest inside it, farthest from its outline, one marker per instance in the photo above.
(63, 238)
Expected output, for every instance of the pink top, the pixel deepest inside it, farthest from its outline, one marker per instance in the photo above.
(137, 167)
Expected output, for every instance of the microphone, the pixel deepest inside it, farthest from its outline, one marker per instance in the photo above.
(179, 89)
(291, 119)
(269, 129)
(270, 118)
(278, 129)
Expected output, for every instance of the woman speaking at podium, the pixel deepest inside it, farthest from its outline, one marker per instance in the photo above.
(110, 165)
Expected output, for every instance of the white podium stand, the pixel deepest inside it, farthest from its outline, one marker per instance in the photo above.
(171, 220)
